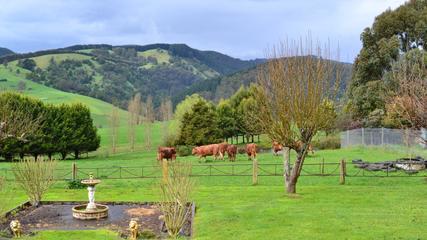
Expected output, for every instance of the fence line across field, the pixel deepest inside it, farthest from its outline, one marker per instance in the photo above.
(340, 169)
(381, 137)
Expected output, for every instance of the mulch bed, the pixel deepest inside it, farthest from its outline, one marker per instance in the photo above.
(58, 216)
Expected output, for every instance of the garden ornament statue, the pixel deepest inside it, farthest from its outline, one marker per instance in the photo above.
(133, 227)
(15, 226)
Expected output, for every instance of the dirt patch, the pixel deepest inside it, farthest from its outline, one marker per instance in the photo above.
(58, 216)
(141, 211)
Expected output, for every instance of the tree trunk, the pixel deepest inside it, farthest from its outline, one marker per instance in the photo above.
(291, 188)
(76, 154)
(49, 155)
(286, 167)
(295, 172)
(63, 155)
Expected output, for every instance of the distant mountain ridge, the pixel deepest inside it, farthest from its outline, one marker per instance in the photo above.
(5, 51)
(116, 73)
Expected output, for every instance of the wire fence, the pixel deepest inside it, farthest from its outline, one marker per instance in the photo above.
(322, 169)
(382, 137)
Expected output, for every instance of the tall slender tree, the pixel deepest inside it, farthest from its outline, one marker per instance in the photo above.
(148, 121)
(166, 112)
(114, 128)
(134, 111)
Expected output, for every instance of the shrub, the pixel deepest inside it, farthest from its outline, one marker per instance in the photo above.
(184, 150)
(75, 184)
(169, 140)
(34, 177)
(328, 142)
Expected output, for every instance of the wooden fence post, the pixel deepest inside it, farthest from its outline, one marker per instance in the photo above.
(323, 166)
(254, 172)
(165, 170)
(73, 171)
(343, 171)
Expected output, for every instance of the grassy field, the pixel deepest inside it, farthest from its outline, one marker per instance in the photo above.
(100, 110)
(43, 61)
(231, 208)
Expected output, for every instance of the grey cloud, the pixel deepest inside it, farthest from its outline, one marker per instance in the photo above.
(240, 28)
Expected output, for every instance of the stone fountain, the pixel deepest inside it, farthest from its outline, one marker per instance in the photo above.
(90, 210)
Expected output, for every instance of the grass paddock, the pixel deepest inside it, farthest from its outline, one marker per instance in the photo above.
(231, 208)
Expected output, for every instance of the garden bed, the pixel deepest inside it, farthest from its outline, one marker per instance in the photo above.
(58, 216)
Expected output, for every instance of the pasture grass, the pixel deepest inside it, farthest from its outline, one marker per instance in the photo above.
(231, 208)
(44, 60)
(100, 110)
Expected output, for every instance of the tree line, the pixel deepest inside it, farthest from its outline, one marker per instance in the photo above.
(395, 38)
(199, 121)
(63, 129)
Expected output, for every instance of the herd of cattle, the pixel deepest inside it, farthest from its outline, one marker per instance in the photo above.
(219, 150)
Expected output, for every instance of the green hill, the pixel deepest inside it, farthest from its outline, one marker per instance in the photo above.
(5, 51)
(116, 73)
(13, 78)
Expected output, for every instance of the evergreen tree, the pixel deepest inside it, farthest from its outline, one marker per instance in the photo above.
(200, 126)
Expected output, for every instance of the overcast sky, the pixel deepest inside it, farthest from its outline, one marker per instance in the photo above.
(239, 28)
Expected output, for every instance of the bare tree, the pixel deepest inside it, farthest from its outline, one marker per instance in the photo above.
(34, 176)
(148, 121)
(166, 112)
(134, 108)
(114, 127)
(293, 89)
(175, 196)
(22, 86)
(408, 100)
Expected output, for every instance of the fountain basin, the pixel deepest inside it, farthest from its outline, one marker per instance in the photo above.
(81, 212)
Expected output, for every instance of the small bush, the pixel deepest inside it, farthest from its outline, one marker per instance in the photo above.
(184, 150)
(169, 140)
(328, 142)
(75, 184)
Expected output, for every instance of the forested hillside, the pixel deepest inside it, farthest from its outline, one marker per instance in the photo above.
(224, 87)
(115, 73)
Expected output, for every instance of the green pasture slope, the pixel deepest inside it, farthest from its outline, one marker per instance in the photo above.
(99, 109)
(231, 208)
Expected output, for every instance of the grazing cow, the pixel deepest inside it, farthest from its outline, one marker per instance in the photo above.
(231, 152)
(251, 150)
(222, 149)
(166, 152)
(206, 150)
(299, 143)
(277, 147)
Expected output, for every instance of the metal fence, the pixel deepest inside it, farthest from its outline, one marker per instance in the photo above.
(381, 137)
(322, 169)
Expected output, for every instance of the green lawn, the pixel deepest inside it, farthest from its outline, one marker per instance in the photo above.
(231, 208)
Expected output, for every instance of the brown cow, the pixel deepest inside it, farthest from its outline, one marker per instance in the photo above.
(206, 150)
(277, 147)
(166, 152)
(298, 145)
(231, 152)
(251, 150)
